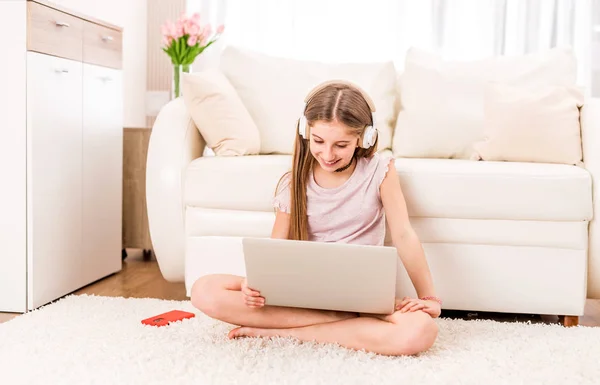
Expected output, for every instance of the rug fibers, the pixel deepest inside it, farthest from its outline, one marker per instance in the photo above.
(100, 340)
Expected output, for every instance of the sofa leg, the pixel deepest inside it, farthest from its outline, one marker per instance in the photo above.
(147, 255)
(568, 320)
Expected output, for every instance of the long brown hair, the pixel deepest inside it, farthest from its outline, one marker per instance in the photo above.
(338, 101)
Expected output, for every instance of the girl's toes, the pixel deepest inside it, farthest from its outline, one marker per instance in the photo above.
(240, 332)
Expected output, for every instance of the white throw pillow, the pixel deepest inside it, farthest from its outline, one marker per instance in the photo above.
(442, 101)
(539, 124)
(219, 114)
(273, 90)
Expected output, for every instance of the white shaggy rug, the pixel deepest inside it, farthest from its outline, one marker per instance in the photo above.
(100, 340)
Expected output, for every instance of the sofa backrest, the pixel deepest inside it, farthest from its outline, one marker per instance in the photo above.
(273, 90)
(433, 109)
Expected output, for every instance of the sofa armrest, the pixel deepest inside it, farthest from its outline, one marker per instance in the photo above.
(174, 143)
(590, 131)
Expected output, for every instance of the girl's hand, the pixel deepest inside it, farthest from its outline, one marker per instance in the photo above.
(413, 304)
(252, 298)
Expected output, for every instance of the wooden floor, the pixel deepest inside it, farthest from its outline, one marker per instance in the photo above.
(142, 279)
(137, 279)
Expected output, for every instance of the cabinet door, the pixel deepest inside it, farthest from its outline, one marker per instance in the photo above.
(102, 171)
(13, 158)
(54, 169)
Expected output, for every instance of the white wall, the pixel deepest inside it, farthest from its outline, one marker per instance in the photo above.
(131, 15)
(596, 49)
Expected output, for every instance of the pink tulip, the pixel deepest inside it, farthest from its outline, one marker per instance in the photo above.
(179, 29)
(172, 30)
(190, 27)
(194, 30)
(167, 28)
(192, 40)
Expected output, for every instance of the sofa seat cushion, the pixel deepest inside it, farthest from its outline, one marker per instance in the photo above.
(435, 188)
(465, 189)
(236, 182)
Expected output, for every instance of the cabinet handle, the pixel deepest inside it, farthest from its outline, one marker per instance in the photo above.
(63, 71)
(62, 24)
(105, 78)
(107, 38)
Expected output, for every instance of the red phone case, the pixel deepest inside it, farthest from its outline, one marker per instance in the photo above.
(168, 317)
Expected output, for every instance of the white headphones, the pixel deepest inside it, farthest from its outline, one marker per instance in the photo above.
(370, 134)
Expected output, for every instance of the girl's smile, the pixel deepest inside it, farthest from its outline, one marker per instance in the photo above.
(331, 145)
(330, 164)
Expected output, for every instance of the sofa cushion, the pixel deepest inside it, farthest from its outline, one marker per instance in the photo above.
(219, 114)
(531, 125)
(273, 90)
(442, 113)
(235, 183)
(436, 188)
(456, 188)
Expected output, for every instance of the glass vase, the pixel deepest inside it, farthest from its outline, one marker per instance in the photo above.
(178, 69)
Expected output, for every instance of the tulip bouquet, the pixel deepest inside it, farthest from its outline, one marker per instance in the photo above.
(183, 41)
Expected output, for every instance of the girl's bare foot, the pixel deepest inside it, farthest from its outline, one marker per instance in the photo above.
(245, 331)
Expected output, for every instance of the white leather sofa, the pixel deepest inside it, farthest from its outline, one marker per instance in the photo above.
(516, 237)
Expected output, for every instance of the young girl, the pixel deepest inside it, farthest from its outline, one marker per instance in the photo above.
(339, 190)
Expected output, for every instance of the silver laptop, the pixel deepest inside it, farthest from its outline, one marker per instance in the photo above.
(318, 275)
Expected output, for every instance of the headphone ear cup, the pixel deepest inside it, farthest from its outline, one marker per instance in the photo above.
(365, 136)
(370, 134)
(369, 137)
(302, 126)
(374, 136)
(302, 123)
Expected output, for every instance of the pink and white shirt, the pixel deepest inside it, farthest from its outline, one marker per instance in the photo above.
(350, 213)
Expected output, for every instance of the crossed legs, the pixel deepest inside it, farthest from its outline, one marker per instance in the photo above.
(220, 297)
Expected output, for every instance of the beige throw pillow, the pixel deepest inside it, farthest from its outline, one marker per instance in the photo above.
(535, 124)
(442, 100)
(219, 114)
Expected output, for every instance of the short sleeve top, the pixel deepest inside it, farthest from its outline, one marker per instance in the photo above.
(350, 213)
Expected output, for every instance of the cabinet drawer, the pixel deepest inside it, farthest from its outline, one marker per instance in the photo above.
(54, 32)
(102, 46)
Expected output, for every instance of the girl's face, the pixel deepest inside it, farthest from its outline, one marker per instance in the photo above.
(332, 144)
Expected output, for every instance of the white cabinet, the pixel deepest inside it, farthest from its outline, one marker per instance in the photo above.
(54, 176)
(102, 171)
(61, 151)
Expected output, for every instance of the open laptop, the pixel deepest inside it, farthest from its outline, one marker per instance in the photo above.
(318, 275)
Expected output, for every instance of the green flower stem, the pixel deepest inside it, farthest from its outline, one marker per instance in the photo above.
(177, 77)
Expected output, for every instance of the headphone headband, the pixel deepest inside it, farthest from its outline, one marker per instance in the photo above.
(319, 87)
(369, 135)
